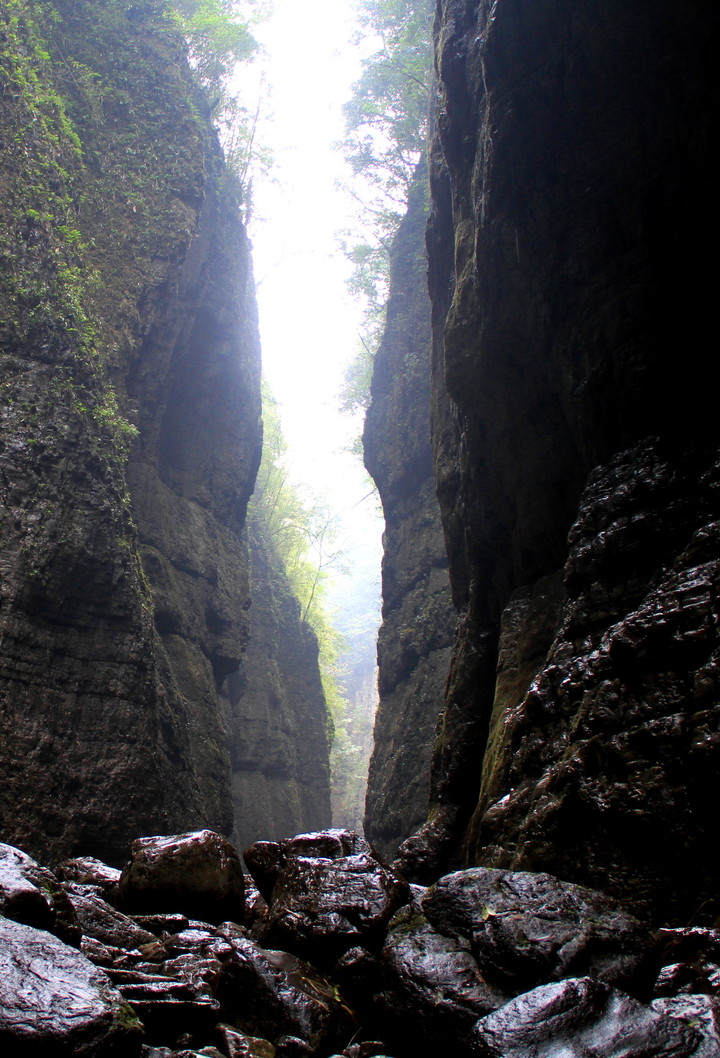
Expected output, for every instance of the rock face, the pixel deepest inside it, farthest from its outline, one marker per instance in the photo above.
(279, 724)
(129, 447)
(415, 638)
(570, 184)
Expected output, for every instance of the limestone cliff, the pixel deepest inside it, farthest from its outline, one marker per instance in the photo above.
(571, 307)
(279, 727)
(418, 619)
(130, 436)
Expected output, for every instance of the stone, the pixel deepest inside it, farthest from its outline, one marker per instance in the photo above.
(87, 870)
(198, 874)
(702, 1012)
(323, 907)
(54, 1001)
(101, 921)
(270, 994)
(237, 1045)
(266, 859)
(526, 929)
(579, 1017)
(433, 989)
(32, 894)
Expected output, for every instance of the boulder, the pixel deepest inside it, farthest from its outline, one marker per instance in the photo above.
(434, 990)
(271, 994)
(32, 894)
(54, 1001)
(323, 907)
(86, 870)
(578, 1018)
(197, 874)
(102, 922)
(527, 929)
(266, 859)
(700, 1011)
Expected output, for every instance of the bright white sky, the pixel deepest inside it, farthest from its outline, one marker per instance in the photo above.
(309, 326)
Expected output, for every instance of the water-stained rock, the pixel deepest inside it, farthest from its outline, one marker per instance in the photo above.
(433, 987)
(32, 894)
(321, 907)
(198, 873)
(579, 1017)
(272, 994)
(526, 929)
(702, 1012)
(54, 1001)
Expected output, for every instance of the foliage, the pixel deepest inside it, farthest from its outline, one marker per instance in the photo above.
(302, 536)
(219, 39)
(386, 131)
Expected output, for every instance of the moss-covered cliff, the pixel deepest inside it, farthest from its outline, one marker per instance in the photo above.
(131, 433)
(571, 304)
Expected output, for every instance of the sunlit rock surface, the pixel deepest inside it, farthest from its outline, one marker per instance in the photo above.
(418, 619)
(571, 191)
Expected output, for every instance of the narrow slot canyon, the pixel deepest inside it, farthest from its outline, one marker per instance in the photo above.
(359, 507)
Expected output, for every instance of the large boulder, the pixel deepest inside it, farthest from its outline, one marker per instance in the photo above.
(433, 988)
(273, 994)
(321, 907)
(266, 859)
(578, 1018)
(101, 921)
(527, 929)
(198, 874)
(54, 1002)
(32, 894)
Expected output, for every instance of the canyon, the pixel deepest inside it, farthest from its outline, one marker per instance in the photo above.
(544, 439)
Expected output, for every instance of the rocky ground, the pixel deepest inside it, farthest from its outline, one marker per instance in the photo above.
(326, 950)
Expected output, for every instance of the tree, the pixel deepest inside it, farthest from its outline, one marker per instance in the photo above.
(386, 132)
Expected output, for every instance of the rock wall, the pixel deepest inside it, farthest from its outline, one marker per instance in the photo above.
(130, 438)
(279, 727)
(571, 304)
(415, 638)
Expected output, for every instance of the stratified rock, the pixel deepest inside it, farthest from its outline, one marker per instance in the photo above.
(86, 870)
(580, 1017)
(32, 894)
(54, 1002)
(415, 639)
(526, 929)
(273, 994)
(321, 908)
(103, 922)
(433, 989)
(198, 874)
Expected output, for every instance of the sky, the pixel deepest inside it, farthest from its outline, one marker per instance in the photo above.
(309, 325)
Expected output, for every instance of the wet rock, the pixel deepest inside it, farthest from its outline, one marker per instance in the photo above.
(86, 870)
(54, 1001)
(434, 990)
(198, 874)
(102, 922)
(237, 1045)
(293, 1047)
(266, 859)
(527, 929)
(702, 1013)
(691, 962)
(580, 1017)
(272, 994)
(159, 924)
(32, 894)
(323, 907)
